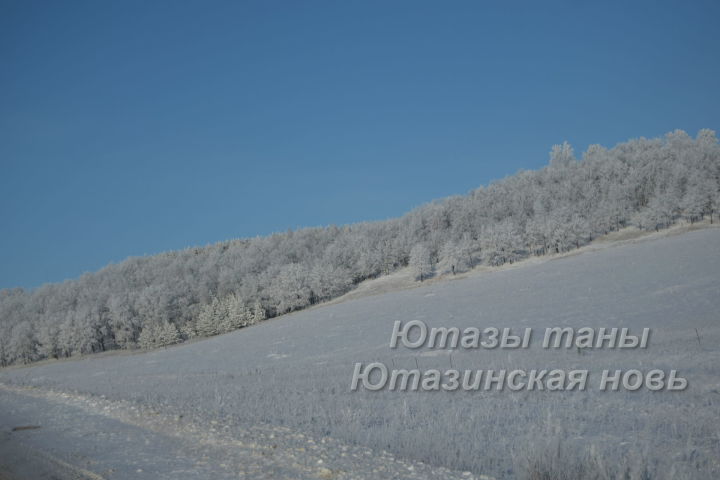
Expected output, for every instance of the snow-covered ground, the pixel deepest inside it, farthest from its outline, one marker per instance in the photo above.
(273, 401)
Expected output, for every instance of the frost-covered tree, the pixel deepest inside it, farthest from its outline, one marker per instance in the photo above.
(449, 257)
(209, 319)
(23, 346)
(502, 243)
(258, 313)
(561, 155)
(327, 282)
(231, 314)
(456, 256)
(420, 262)
(291, 288)
(579, 231)
(148, 336)
(6, 355)
(48, 339)
(167, 334)
(659, 213)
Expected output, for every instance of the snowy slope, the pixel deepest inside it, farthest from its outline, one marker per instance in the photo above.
(289, 377)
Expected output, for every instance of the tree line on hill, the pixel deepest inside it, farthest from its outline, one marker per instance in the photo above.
(158, 300)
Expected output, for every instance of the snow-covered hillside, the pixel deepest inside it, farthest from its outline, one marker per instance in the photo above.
(274, 400)
(160, 300)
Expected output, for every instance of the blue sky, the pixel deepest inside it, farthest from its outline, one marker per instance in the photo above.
(131, 128)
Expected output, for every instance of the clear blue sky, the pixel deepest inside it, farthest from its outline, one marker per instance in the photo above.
(130, 128)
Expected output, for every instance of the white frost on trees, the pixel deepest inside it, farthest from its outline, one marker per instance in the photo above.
(420, 262)
(203, 291)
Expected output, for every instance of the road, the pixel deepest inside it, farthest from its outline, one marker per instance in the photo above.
(48, 435)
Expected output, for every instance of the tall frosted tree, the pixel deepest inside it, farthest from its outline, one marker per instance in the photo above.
(561, 155)
(420, 262)
(208, 321)
(258, 312)
(48, 340)
(449, 257)
(22, 342)
(456, 256)
(167, 334)
(291, 288)
(148, 336)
